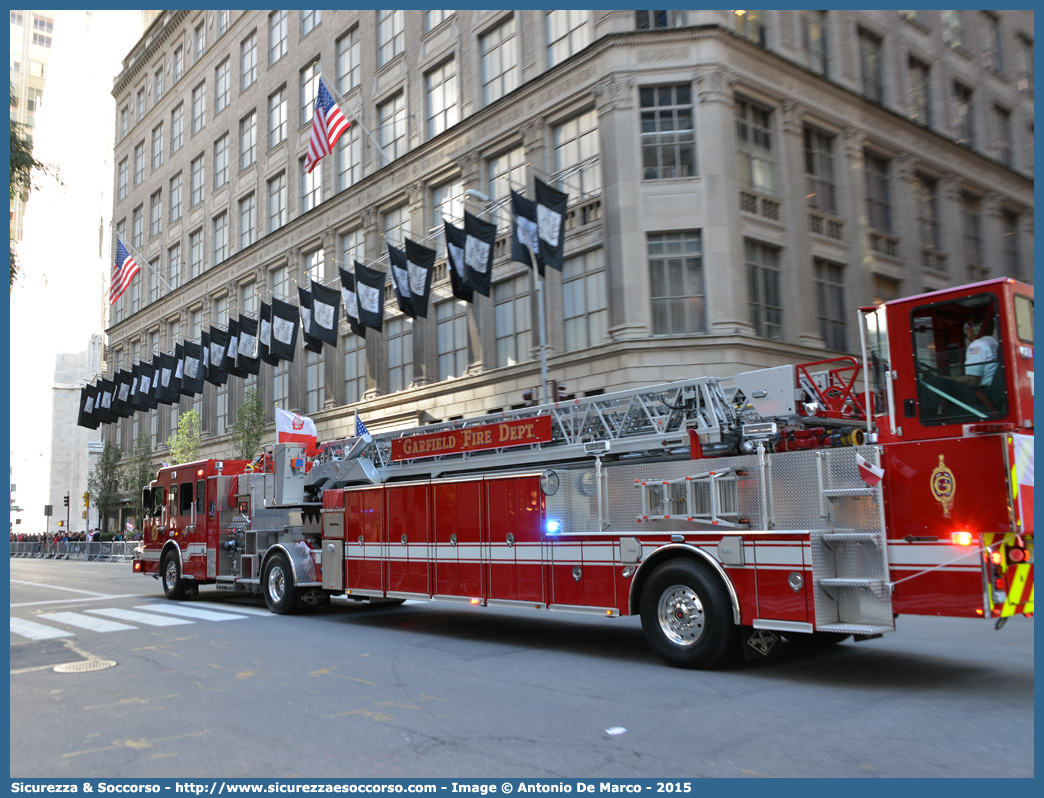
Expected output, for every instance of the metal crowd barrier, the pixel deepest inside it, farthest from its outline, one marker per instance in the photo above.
(95, 551)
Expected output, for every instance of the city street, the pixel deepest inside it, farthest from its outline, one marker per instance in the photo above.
(216, 686)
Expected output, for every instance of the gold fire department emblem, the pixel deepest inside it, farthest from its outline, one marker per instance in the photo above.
(944, 486)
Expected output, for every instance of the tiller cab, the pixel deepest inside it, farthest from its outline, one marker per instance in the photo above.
(812, 502)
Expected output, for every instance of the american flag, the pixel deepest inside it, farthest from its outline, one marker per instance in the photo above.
(123, 272)
(328, 124)
(360, 428)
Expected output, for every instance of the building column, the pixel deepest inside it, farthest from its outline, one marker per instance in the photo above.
(799, 273)
(627, 278)
(860, 259)
(951, 227)
(376, 351)
(904, 219)
(333, 363)
(480, 309)
(297, 379)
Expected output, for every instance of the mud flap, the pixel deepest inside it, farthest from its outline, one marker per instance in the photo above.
(758, 643)
(314, 598)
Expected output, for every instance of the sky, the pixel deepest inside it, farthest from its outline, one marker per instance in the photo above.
(60, 297)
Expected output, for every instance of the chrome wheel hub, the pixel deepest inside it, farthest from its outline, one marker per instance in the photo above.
(276, 584)
(680, 613)
(170, 576)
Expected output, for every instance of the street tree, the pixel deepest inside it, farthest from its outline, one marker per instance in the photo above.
(23, 164)
(185, 444)
(249, 428)
(138, 472)
(103, 483)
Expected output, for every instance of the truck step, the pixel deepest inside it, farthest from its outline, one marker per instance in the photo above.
(855, 628)
(850, 536)
(849, 493)
(847, 582)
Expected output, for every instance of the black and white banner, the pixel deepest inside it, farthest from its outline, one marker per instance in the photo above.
(401, 281)
(325, 313)
(551, 212)
(311, 343)
(284, 330)
(479, 236)
(369, 287)
(218, 344)
(524, 238)
(420, 265)
(351, 303)
(247, 359)
(455, 256)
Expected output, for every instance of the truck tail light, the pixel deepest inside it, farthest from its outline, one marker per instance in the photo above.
(996, 557)
(137, 566)
(961, 538)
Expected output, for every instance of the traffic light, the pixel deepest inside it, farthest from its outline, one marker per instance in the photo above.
(558, 391)
(87, 500)
(532, 396)
(66, 499)
(61, 524)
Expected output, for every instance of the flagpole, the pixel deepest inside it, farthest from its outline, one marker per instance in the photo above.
(142, 258)
(337, 98)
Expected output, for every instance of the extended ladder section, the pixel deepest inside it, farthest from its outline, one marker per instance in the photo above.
(710, 497)
(654, 419)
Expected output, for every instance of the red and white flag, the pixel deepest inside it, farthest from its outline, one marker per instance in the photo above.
(868, 472)
(328, 123)
(292, 428)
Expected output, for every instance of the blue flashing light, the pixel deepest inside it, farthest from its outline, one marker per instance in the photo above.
(553, 527)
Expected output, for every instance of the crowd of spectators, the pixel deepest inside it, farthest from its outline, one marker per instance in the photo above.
(75, 537)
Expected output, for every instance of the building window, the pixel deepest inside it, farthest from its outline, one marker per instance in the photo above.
(277, 36)
(391, 117)
(196, 253)
(830, 304)
(912, 16)
(177, 127)
(157, 147)
(963, 127)
(1012, 260)
(751, 26)
(248, 60)
(222, 85)
(221, 161)
(432, 19)
(199, 107)
(993, 51)
(443, 99)
(175, 197)
(349, 159)
(309, 88)
(447, 204)
(924, 190)
(248, 297)
(124, 123)
(248, 140)
(139, 163)
(583, 300)
(157, 84)
(281, 282)
(885, 289)
(314, 263)
(140, 104)
(197, 182)
(354, 369)
(200, 40)
(397, 225)
(138, 225)
(452, 321)
(174, 265)
(247, 221)
(668, 136)
(352, 248)
(952, 28)
(972, 229)
(1002, 129)
(814, 40)
(277, 117)
(121, 179)
(676, 278)
(220, 237)
(315, 375)
(871, 59)
(348, 61)
(568, 32)
(576, 143)
(878, 206)
(179, 63)
(763, 292)
(311, 187)
(1025, 53)
(281, 384)
(400, 353)
(754, 145)
(277, 202)
(309, 19)
(155, 214)
(512, 320)
(221, 409)
(390, 26)
(920, 92)
(648, 20)
(819, 170)
(507, 171)
(500, 71)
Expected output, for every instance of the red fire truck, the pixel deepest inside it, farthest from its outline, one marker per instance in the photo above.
(811, 502)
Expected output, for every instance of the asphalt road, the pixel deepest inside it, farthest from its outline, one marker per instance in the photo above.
(458, 691)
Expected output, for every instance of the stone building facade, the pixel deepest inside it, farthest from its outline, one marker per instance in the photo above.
(739, 183)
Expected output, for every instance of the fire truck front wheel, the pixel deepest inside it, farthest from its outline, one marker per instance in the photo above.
(173, 585)
(278, 586)
(686, 616)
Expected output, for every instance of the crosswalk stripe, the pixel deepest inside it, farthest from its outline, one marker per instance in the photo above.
(139, 617)
(190, 612)
(214, 605)
(36, 631)
(86, 622)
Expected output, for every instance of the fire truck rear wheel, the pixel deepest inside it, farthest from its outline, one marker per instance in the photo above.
(816, 638)
(687, 616)
(278, 586)
(173, 585)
